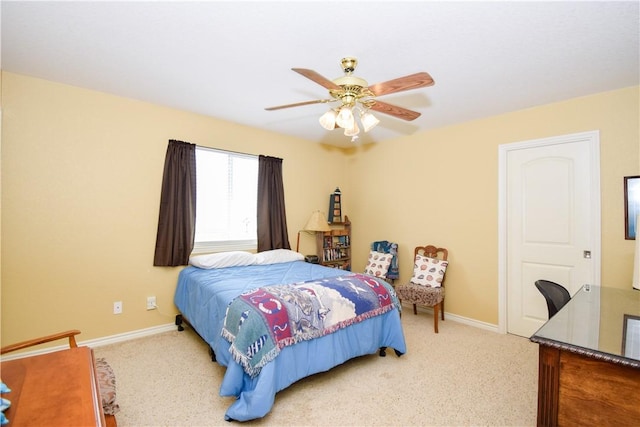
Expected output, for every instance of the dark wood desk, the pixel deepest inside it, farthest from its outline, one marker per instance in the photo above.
(589, 360)
(58, 388)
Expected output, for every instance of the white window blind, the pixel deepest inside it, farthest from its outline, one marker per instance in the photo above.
(226, 201)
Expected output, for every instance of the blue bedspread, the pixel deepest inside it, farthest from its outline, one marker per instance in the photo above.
(203, 296)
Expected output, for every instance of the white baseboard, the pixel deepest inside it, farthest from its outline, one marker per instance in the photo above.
(460, 319)
(113, 339)
(98, 342)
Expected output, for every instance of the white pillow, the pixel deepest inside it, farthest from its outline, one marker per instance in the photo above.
(378, 264)
(276, 256)
(223, 259)
(428, 271)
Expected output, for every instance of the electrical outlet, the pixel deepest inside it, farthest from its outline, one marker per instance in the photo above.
(117, 307)
(151, 303)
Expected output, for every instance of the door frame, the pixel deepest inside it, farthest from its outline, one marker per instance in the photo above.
(593, 137)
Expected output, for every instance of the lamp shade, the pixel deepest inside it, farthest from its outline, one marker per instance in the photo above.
(345, 118)
(328, 120)
(352, 131)
(369, 121)
(636, 259)
(317, 222)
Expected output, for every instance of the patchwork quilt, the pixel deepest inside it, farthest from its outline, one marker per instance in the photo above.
(260, 322)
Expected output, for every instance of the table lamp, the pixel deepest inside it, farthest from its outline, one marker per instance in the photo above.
(316, 223)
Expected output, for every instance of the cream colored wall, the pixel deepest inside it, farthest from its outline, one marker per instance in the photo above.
(81, 176)
(441, 187)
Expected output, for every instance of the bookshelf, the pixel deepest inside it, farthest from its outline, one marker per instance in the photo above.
(334, 247)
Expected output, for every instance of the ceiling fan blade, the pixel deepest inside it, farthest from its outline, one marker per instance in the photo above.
(312, 75)
(299, 104)
(413, 81)
(395, 111)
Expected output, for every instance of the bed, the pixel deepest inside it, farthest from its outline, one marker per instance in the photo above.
(207, 293)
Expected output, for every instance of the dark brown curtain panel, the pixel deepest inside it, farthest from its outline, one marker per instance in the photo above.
(272, 218)
(177, 220)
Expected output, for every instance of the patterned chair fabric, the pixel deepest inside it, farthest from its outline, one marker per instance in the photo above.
(107, 383)
(419, 294)
(389, 248)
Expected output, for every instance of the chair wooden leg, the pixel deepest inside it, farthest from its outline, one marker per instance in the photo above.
(415, 309)
(442, 309)
(436, 308)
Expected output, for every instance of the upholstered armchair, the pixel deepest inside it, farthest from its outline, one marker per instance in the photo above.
(386, 247)
(382, 261)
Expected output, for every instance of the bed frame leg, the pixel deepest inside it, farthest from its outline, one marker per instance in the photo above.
(179, 322)
(383, 352)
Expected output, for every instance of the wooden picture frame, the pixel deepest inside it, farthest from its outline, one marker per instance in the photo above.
(631, 205)
(631, 336)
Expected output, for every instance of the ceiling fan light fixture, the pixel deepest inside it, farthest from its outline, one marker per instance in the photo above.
(345, 118)
(356, 97)
(369, 121)
(328, 120)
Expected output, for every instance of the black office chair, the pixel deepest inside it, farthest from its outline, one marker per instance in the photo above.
(556, 295)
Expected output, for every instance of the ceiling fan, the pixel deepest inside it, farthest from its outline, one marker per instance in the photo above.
(354, 95)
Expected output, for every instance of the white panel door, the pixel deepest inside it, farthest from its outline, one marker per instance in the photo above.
(552, 223)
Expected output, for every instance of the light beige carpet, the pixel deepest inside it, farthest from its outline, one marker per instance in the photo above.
(463, 376)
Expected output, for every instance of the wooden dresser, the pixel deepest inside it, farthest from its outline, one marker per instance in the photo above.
(589, 360)
(58, 388)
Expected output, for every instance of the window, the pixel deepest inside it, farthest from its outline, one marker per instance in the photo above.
(226, 201)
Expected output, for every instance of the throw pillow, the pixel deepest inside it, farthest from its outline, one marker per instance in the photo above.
(378, 264)
(428, 271)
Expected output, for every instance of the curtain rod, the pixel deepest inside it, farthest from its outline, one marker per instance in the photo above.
(227, 151)
(236, 152)
(220, 149)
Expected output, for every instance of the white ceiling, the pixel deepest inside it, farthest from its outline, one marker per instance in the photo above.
(231, 59)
